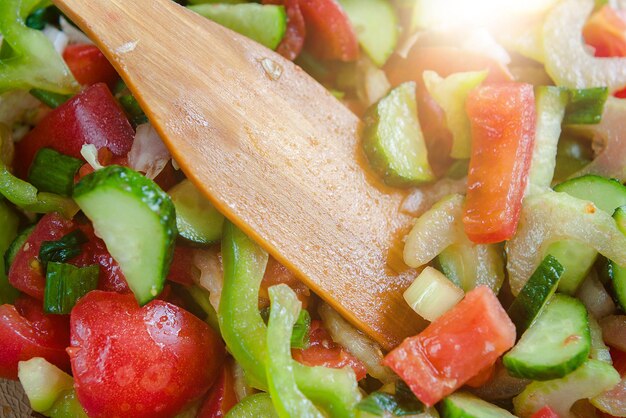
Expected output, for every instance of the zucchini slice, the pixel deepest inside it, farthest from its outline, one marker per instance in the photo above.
(465, 405)
(556, 344)
(136, 220)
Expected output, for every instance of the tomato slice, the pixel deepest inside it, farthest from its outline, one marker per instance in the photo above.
(455, 347)
(545, 412)
(605, 31)
(323, 351)
(329, 33)
(91, 117)
(89, 65)
(26, 332)
(502, 117)
(131, 361)
(293, 41)
(222, 395)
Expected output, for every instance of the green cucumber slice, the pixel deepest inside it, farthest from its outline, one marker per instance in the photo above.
(577, 258)
(589, 380)
(67, 407)
(535, 294)
(43, 382)
(376, 27)
(557, 343)
(465, 405)
(550, 105)
(393, 140)
(196, 218)
(617, 273)
(469, 265)
(451, 93)
(265, 24)
(620, 217)
(136, 220)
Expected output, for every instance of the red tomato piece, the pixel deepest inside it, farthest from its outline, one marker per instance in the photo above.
(131, 361)
(503, 123)
(89, 65)
(26, 332)
(222, 395)
(545, 412)
(606, 32)
(323, 351)
(482, 377)
(329, 33)
(293, 41)
(619, 361)
(26, 273)
(182, 269)
(276, 273)
(91, 117)
(455, 347)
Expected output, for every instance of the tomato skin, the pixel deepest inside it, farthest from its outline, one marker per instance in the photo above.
(619, 361)
(91, 117)
(329, 33)
(131, 361)
(26, 332)
(323, 351)
(276, 273)
(182, 269)
(604, 31)
(26, 273)
(455, 347)
(545, 412)
(89, 65)
(503, 124)
(483, 376)
(291, 45)
(222, 395)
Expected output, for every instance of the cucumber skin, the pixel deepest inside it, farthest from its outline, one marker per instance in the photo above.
(449, 409)
(542, 284)
(518, 368)
(149, 193)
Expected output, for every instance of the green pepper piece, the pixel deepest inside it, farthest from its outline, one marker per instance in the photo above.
(245, 332)
(29, 59)
(255, 406)
(286, 397)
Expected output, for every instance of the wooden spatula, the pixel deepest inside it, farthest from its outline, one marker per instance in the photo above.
(270, 147)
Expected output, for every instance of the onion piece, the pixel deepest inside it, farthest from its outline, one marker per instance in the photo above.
(90, 154)
(612, 401)
(358, 344)
(599, 350)
(148, 153)
(614, 331)
(550, 217)
(209, 262)
(17, 106)
(595, 297)
(58, 38)
(74, 35)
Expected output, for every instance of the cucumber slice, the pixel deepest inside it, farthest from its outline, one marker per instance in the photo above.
(557, 343)
(617, 273)
(585, 106)
(376, 27)
(535, 294)
(43, 382)
(620, 217)
(393, 140)
(469, 265)
(589, 380)
(450, 93)
(15, 246)
(196, 218)
(136, 220)
(577, 258)
(465, 405)
(550, 105)
(254, 406)
(431, 294)
(265, 24)
(67, 407)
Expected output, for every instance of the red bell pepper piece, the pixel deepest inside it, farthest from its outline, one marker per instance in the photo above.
(91, 117)
(293, 41)
(502, 117)
(545, 412)
(89, 65)
(26, 332)
(222, 395)
(323, 351)
(329, 33)
(455, 347)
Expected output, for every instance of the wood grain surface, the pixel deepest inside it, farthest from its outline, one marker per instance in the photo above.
(13, 400)
(271, 148)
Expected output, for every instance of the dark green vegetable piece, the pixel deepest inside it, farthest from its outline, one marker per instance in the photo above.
(49, 98)
(9, 223)
(41, 16)
(62, 250)
(54, 172)
(585, 106)
(65, 284)
(300, 333)
(402, 403)
(133, 109)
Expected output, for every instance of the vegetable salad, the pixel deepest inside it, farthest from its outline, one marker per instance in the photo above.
(125, 293)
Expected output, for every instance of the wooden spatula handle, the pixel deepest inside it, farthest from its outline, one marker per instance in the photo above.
(270, 147)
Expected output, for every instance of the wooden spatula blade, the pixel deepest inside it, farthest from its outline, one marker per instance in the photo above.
(270, 147)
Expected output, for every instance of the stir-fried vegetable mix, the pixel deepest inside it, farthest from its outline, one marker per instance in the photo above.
(125, 293)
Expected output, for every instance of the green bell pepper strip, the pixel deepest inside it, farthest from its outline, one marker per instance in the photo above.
(29, 59)
(245, 332)
(254, 406)
(8, 232)
(26, 196)
(286, 397)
